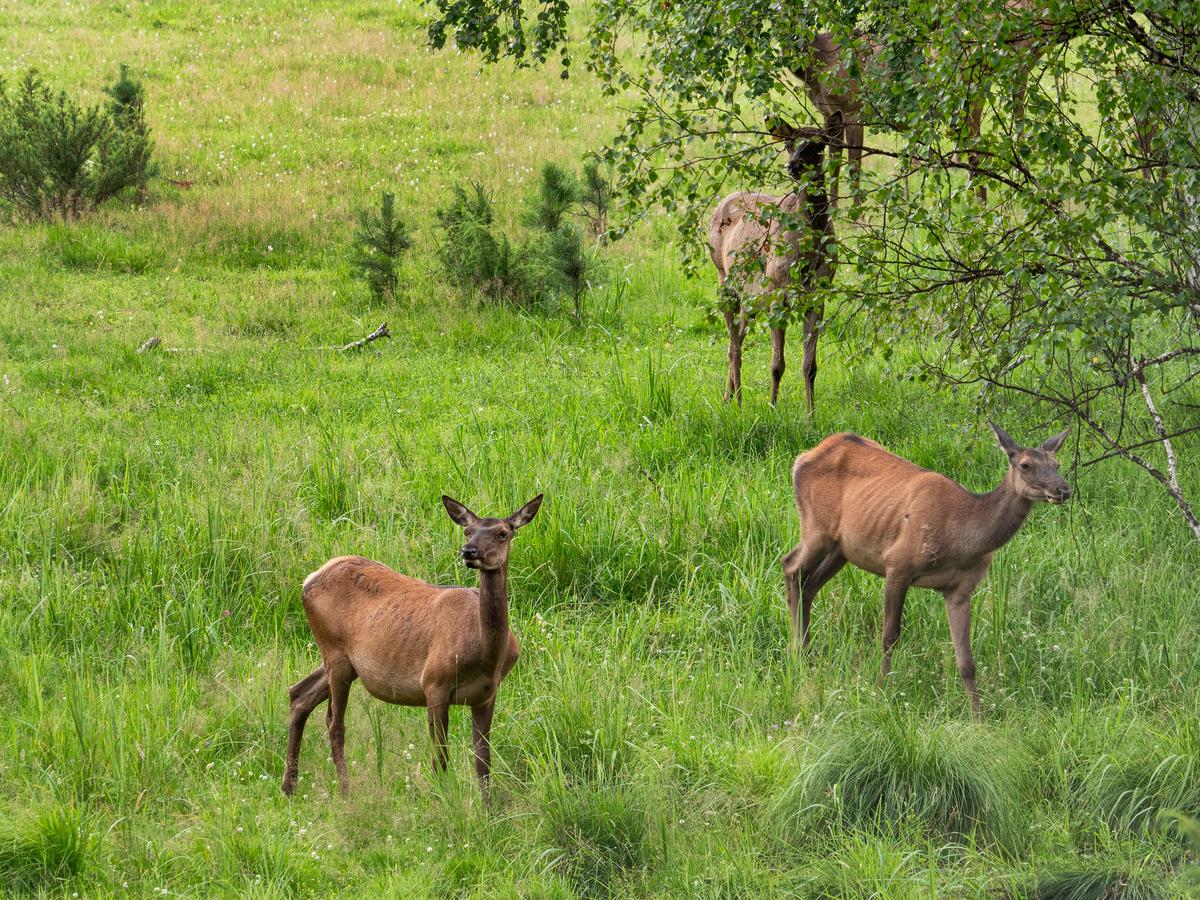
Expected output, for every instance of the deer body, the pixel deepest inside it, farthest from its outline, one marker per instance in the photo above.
(743, 228)
(860, 504)
(411, 643)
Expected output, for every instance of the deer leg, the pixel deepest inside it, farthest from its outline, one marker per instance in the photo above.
(805, 571)
(305, 696)
(439, 727)
(958, 613)
(481, 729)
(778, 364)
(341, 676)
(737, 327)
(809, 364)
(895, 587)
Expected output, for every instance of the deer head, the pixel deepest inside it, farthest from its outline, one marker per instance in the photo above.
(488, 540)
(805, 146)
(1033, 471)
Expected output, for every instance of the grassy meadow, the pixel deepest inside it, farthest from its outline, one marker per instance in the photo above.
(159, 511)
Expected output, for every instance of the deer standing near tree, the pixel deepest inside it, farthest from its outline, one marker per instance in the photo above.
(760, 251)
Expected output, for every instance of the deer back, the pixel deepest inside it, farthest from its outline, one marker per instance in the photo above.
(741, 231)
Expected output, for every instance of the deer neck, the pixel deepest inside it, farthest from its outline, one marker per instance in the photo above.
(493, 608)
(1002, 513)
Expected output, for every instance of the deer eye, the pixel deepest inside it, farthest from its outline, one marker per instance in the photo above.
(1024, 467)
(504, 535)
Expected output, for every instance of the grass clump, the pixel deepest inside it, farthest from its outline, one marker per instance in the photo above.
(50, 846)
(1096, 884)
(881, 769)
(379, 242)
(61, 160)
(1145, 776)
(599, 833)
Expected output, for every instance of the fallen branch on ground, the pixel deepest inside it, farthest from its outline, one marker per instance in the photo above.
(380, 332)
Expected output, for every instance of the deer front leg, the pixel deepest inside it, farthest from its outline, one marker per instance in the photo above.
(778, 364)
(481, 728)
(895, 587)
(958, 614)
(439, 727)
(812, 325)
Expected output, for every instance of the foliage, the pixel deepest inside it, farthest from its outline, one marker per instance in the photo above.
(61, 160)
(379, 242)
(595, 197)
(474, 253)
(1073, 283)
(1095, 884)
(556, 195)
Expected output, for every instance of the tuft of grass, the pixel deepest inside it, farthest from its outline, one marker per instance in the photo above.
(1144, 776)
(881, 769)
(1100, 883)
(49, 846)
(598, 833)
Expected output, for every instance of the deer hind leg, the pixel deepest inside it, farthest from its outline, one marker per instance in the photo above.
(812, 324)
(481, 729)
(778, 364)
(807, 569)
(305, 696)
(895, 587)
(958, 614)
(341, 676)
(737, 326)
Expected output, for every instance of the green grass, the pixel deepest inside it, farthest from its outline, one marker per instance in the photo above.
(159, 511)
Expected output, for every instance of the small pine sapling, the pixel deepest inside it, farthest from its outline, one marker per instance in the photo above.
(595, 196)
(570, 263)
(379, 242)
(557, 192)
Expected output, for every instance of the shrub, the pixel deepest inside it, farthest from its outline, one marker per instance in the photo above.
(1146, 775)
(882, 769)
(557, 192)
(50, 846)
(58, 159)
(379, 242)
(595, 196)
(1095, 884)
(600, 833)
(474, 252)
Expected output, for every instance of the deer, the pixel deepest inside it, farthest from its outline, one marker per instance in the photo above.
(746, 230)
(411, 643)
(860, 504)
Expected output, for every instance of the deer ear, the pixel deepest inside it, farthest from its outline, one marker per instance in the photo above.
(1051, 445)
(1007, 444)
(459, 513)
(525, 514)
(780, 130)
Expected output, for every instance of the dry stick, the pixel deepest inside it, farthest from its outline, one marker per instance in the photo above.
(1160, 429)
(150, 344)
(380, 332)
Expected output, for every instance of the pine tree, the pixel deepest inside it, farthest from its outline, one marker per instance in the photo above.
(379, 242)
(595, 196)
(557, 192)
(570, 263)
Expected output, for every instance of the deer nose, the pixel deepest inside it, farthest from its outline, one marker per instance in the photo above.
(469, 552)
(1065, 491)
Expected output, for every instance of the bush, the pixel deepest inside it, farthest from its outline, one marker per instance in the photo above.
(60, 160)
(557, 192)
(378, 244)
(475, 253)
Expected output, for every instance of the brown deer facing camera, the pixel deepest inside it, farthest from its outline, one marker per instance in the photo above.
(411, 643)
(858, 503)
